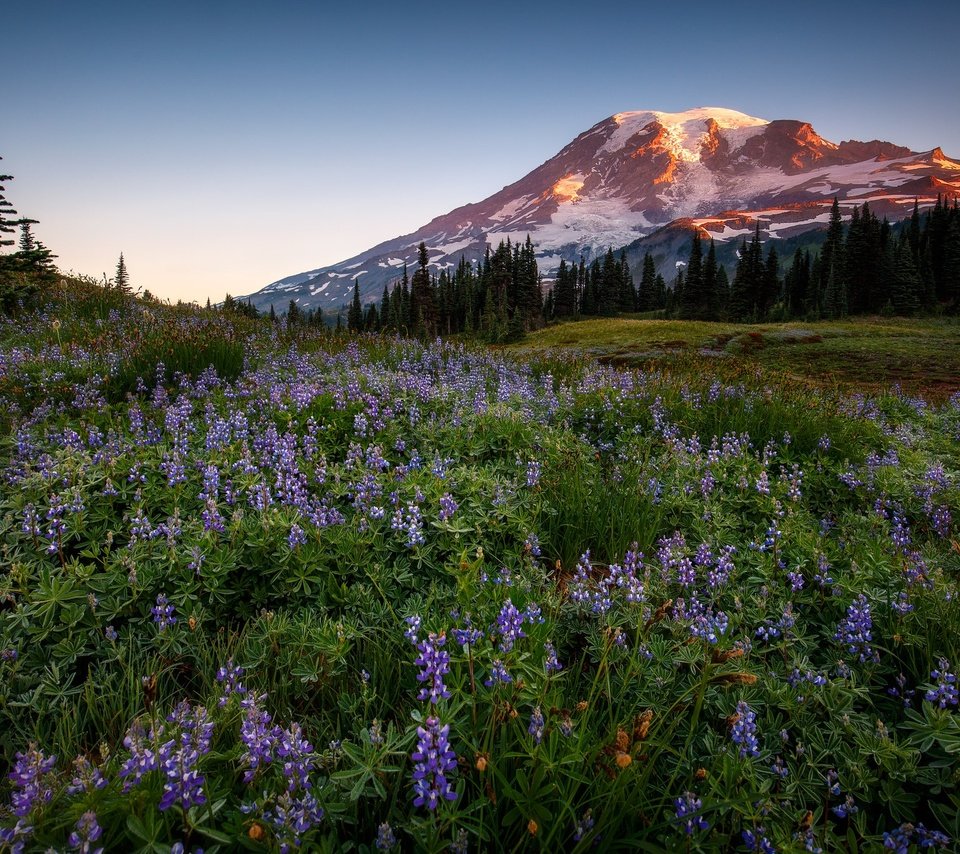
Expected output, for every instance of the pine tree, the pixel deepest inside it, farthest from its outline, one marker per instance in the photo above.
(628, 294)
(711, 296)
(905, 285)
(741, 305)
(7, 212)
(689, 301)
(355, 314)
(294, 315)
(769, 292)
(27, 242)
(648, 298)
(423, 310)
(609, 286)
(122, 280)
(831, 255)
(564, 292)
(951, 265)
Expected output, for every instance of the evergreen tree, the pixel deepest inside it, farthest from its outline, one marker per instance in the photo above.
(950, 274)
(769, 292)
(294, 315)
(905, 284)
(423, 309)
(565, 291)
(723, 292)
(122, 280)
(831, 258)
(7, 212)
(648, 298)
(628, 294)
(741, 305)
(355, 315)
(689, 300)
(711, 295)
(27, 242)
(609, 286)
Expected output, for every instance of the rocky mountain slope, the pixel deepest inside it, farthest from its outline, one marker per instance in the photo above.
(636, 174)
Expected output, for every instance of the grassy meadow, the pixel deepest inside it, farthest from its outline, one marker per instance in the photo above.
(630, 585)
(922, 356)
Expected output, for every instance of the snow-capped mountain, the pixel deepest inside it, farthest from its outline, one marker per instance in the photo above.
(634, 173)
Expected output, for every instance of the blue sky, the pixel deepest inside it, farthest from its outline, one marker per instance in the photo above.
(221, 146)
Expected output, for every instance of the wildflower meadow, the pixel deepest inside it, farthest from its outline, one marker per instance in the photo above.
(277, 589)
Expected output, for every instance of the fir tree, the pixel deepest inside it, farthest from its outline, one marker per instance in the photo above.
(950, 274)
(905, 284)
(564, 291)
(121, 280)
(294, 315)
(355, 315)
(423, 309)
(689, 301)
(648, 298)
(711, 286)
(7, 212)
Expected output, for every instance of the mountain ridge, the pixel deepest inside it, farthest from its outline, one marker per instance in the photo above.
(637, 172)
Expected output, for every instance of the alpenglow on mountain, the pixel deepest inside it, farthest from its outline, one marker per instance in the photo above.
(642, 174)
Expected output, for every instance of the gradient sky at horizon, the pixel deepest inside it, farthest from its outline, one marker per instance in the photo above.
(221, 146)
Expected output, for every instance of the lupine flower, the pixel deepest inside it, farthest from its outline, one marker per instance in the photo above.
(143, 758)
(16, 836)
(297, 537)
(292, 816)
(833, 783)
(744, 730)
(258, 735)
(86, 833)
(163, 612)
(386, 838)
(856, 631)
(498, 674)
(434, 664)
(756, 841)
(178, 758)
(900, 690)
(847, 808)
(536, 725)
(434, 760)
(945, 693)
(459, 845)
(510, 626)
(447, 507)
(229, 675)
(534, 470)
(583, 825)
(413, 626)
(687, 812)
(297, 755)
(899, 840)
(87, 777)
(28, 778)
(551, 663)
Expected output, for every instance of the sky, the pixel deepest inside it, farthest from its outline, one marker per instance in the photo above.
(224, 145)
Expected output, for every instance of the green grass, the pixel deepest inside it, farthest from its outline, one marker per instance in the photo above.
(862, 354)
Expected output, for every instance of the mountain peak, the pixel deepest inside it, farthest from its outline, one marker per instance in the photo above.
(684, 133)
(634, 173)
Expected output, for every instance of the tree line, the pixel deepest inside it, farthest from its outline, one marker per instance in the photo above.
(867, 266)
